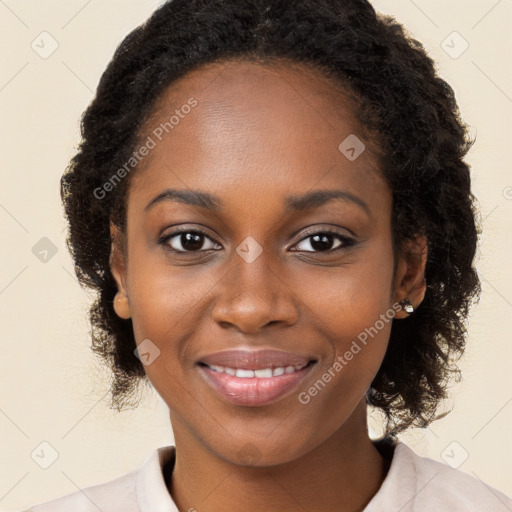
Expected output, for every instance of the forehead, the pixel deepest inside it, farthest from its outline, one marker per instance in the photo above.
(254, 129)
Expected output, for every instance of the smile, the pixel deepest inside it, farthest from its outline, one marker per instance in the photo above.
(254, 388)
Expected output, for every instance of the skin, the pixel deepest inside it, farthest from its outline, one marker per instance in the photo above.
(259, 134)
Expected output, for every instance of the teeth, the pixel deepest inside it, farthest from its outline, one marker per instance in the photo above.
(244, 373)
(264, 373)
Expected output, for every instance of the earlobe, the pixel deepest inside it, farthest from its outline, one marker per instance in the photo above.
(122, 306)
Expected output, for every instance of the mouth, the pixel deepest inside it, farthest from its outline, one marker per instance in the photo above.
(252, 378)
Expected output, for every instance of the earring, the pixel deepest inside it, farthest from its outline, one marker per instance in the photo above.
(406, 304)
(122, 306)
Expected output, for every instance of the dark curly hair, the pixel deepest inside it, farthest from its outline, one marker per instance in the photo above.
(400, 100)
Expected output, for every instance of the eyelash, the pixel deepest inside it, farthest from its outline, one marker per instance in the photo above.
(346, 241)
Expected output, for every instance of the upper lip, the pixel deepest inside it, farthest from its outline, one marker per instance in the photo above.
(255, 359)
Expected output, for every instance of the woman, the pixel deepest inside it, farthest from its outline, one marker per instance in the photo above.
(271, 202)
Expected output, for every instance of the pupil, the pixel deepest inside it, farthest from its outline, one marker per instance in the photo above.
(191, 241)
(321, 242)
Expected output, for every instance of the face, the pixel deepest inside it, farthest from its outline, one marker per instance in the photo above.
(231, 246)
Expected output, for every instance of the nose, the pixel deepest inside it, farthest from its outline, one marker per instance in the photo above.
(253, 295)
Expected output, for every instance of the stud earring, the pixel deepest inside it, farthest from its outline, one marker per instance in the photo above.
(406, 304)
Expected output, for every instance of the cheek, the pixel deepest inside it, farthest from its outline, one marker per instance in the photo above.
(353, 309)
(352, 297)
(167, 306)
(165, 300)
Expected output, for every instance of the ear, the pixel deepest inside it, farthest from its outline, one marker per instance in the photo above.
(410, 273)
(117, 263)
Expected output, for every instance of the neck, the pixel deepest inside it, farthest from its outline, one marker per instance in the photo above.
(341, 474)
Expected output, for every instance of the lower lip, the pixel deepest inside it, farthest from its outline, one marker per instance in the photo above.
(253, 391)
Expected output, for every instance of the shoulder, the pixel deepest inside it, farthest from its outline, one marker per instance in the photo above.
(422, 484)
(445, 485)
(114, 495)
(125, 493)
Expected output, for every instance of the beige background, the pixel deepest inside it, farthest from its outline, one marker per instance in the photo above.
(54, 390)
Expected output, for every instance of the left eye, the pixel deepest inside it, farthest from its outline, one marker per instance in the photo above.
(323, 241)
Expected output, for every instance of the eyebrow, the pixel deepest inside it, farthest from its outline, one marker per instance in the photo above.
(293, 203)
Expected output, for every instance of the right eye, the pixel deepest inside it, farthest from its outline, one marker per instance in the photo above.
(190, 240)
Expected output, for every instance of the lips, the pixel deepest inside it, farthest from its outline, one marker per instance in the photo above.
(254, 378)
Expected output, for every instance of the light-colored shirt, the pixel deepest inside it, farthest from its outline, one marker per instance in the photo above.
(412, 484)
